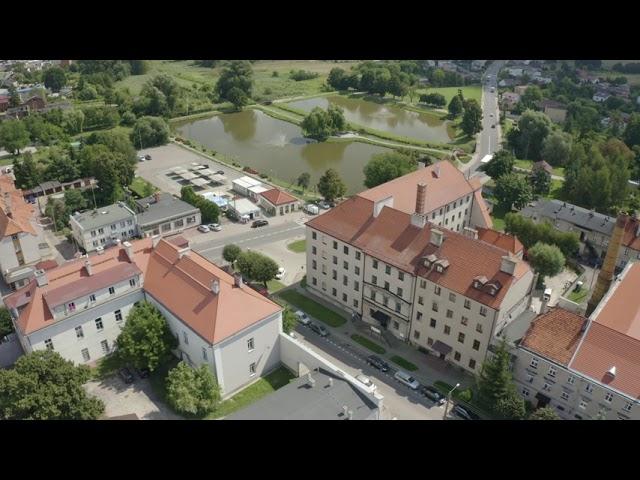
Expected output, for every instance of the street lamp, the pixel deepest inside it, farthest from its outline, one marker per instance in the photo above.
(446, 405)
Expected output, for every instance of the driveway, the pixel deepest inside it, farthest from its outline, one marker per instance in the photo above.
(122, 399)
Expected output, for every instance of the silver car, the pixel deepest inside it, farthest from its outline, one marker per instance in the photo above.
(406, 379)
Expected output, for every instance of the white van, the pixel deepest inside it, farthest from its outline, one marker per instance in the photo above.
(547, 295)
(312, 209)
(408, 380)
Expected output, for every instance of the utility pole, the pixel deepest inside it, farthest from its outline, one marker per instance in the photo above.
(446, 405)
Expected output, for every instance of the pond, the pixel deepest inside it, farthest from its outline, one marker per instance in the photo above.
(277, 148)
(387, 118)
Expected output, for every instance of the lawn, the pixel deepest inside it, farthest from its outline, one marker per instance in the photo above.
(274, 285)
(527, 164)
(508, 125)
(497, 215)
(471, 91)
(580, 296)
(299, 247)
(406, 364)
(313, 308)
(263, 387)
(141, 187)
(159, 375)
(366, 343)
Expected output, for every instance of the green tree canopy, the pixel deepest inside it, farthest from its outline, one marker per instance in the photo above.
(384, 167)
(511, 407)
(632, 132)
(150, 132)
(530, 233)
(44, 386)
(495, 381)
(472, 118)
(540, 181)
(556, 148)
(331, 185)
(61, 166)
(501, 164)
(544, 413)
(531, 97)
(14, 136)
(434, 99)
(304, 180)
(74, 201)
(455, 106)
(231, 253)
(289, 321)
(513, 191)
(26, 172)
(235, 76)
(54, 78)
(546, 260)
(256, 266)
(6, 326)
(192, 391)
(146, 340)
(527, 139)
(320, 124)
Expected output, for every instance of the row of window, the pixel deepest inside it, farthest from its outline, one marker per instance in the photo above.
(113, 227)
(104, 344)
(447, 331)
(457, 356)
(463, 320)
(98, 323)
(345, 249)
(385, 301)
(452, 298)
(71, 306)
(584, 402)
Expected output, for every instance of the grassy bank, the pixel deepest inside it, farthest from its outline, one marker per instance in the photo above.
(299, 246)
(368, 344)
(404, 363)
(313, 308)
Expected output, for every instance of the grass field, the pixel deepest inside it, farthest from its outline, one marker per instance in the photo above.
(141, 187)
(498, 218)
(579, 297)
(368, 344)
(527, 164)
(313, 308)
(406, 364)
(274, 285)
(471, 91)
(299, 246)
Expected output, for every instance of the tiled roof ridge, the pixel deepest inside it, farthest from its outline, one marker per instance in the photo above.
(177, 268)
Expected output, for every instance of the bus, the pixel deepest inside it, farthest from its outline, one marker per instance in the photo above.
(486, 159)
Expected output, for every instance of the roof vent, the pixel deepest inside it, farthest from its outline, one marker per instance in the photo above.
(345, 410)
(350, 414)
(100, 250)
(237, 280)
(330, 382)
(612, 371)
(311, 380)
(41, 278)
(215, 287)
(437, 237)
(87, 266)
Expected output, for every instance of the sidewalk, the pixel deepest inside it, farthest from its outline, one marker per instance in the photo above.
(430, 368)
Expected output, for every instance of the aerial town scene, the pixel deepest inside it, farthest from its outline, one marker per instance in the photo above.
(320, 240)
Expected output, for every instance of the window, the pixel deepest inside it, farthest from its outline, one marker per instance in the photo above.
(564, 396)
(324, 269)
(461, 337)
(185, 339)
(131, 232)
(452, 297)
(416, 334)
(49, 344)
(608, 397)
(356, 270)
(101, 230)
(314, 265)
(345, 281)
(457, 356)
(314, 281)
(334, 292)
(177, 223)
(534, 363)
(436, 290)
(398, 307)
(114, 226)
(583, 404)
(464, 321)
(189, 220)
(546, 387)
(419, 316)
(355, 303)
(433, 215)
(386, 285)
(432, 323)
(375, 264)
(449, 313)
(335, 260)
(345, 265)
(130, 222)
(385, 300)
(95, 243)
(467, 303)
(571, 380)
(92, 298)
(588, 388)
(335, 245)
(250, 344)
(357, 255)
(314, 250)
(525, 392)
(374, 279)
(71, 307)
(79, 333)
(345, 250)
(530, 378)
(373, 295)
(99, 325)
(387, 270)
(483, 311)
(252, 369)
(118, 315)
(627, 406)
(122, 224)
(132, 282)
(112, 290)
(334, 274)
(476, 345)
(429, 341)
(93, 233)
(420, 301)
(396, 325)
(85, 354)
(401, 276)
(472, 364)
(423, 284)
(447, 329)
(479, 328)
(399, 292)
(356, 286)
(344, 297)
(103, 241)
(552, 371)
(204, 353)
(314, 236)
(434, 306)
(105, 346)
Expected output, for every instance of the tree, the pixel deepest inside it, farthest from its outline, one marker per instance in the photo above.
(320, 124)
(124, 154)
(150, 132)
(455, 106)
(237, 97)
(231, 253)
(513, 191)
(139, 67)
(530, 232)
(528, 137)
(14, 97)
(74, 201)
(472, 118)
(54, 78)
(501, 164)
(331, 185)
(511, 407)
(256, 266)
(44, 386)
(73, 121)
(546, 260)
(336, 78)
(540, 181)
(6, 325)
(556, 148)
(146, 340)
(26, 172)
(61, 166)
(632, 132)
(289, 320)
(384, 167)
(57, 212)
(544, 413)
(495, 381)
(335, 119)
(434, 99)
(531, 97)
(13, 136)
(304, 180)
(235, 76)
(192, 391)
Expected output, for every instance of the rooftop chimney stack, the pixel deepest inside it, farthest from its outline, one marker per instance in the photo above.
(155, 240)
(605, 277)
(330, 382)
(311, 380)
(421, 198)
(350, 414)
(215, 287)
(183, 251)
(87, 265)
(41, 278)
(128, 249)
(437, 237)
(237, 280)
(508, 265)
(470, 232)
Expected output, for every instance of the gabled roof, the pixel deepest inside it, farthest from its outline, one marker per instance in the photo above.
(184, 287)
(277, 197)
(15, 213)
(500, 239)
(581, 217)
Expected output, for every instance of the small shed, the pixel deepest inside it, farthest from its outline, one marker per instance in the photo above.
(244, 210)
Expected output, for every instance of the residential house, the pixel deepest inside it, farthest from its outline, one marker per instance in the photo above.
(556, 111)
(520, 89)
(22, 244)
(507, 82)
(594, 229)
(163, 214)
(620, 90)
(586, 368)
(600, 96)
(515, 72)
(4, 103)
(244, 210)
(277, 202)
(509, 100)
(101, 228)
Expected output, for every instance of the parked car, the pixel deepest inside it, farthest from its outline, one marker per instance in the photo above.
(125, 374)
(406, 379)
(259, 223)
(220, 172)
(493, 126)
(311, 208)
(378, 363)
(214, 227)
(464, 413)
(203, 229)
(142, 372)
(324, 205)
(147, 157)
(303, 318)
(433, 394)
(280, 274)
(319, 329)
(366, 381)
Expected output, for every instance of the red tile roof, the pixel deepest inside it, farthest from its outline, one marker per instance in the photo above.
(500, 239)
(15, 213)
(46, 265)
(555, 335)
(631, 236)
(278, 197)
(183, 286)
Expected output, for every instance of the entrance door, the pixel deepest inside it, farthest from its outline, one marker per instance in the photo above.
(442, 356)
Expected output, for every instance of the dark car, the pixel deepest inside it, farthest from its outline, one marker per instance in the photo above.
(142, 372)
(378, 363)
(220, 172)
(319, 329)
(432, 394)
(126, 375)
(259, 223)
(464, 413)
(147, 157)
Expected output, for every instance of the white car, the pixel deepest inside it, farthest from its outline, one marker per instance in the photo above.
(203, 229)
(303, 318)
(214, 227)
(281, 272)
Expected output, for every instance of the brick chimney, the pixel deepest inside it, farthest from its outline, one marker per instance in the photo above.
(605, 277)
(88, 267)
(418, 218)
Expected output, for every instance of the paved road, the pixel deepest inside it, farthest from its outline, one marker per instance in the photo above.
(400, 402)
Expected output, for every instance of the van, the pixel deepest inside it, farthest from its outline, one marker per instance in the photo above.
(312, 209)
(547, 295)
(408, 380)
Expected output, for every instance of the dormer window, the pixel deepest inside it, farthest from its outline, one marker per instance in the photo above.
(479, 282)
(439, 268)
